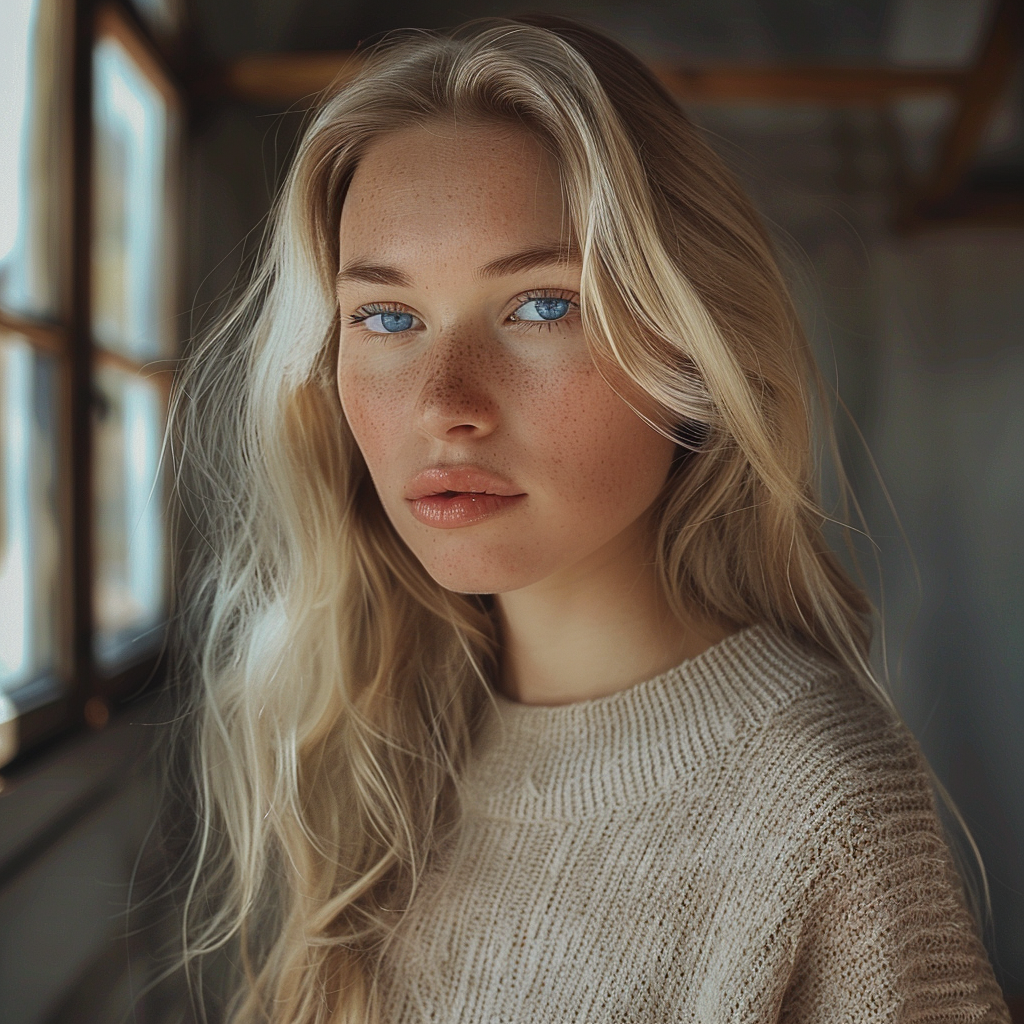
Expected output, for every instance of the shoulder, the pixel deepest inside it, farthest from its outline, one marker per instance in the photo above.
(843, 755)
(809, 763)
(823, 770)
(844, 792)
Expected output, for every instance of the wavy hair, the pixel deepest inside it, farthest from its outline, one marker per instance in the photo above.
(339, 685)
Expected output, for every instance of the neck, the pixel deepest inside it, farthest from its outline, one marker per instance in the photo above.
(598, 628)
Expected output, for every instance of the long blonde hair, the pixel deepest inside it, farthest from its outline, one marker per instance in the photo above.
(339, 685)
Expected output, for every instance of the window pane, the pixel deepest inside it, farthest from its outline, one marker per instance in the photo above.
(29, 533)
(33, 155)
(129, 536)
(131, 263)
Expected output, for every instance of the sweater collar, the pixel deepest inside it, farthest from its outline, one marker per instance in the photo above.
(575, 760)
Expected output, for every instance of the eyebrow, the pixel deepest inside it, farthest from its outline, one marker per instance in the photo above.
(372, 273)
(531, 258)
(513, 263)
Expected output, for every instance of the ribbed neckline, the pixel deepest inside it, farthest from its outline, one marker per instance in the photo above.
(572, 760)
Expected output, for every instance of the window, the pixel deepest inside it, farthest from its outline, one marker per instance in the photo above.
(130, 310)
(88, 265)
(132, 290)
(33, 156)
(129, 582)
(30, 544)
(34, 212)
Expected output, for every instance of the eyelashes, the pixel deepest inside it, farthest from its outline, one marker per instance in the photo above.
(546, 307)
(384, 319)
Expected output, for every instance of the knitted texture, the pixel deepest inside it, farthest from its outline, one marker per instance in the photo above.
(746, 838)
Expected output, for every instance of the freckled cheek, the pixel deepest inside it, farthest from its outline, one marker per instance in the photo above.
(375, 405)
(597, 448)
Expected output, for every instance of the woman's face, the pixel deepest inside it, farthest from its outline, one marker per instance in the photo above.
(500, 454)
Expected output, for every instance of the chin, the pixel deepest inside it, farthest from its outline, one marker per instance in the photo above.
(490, 574)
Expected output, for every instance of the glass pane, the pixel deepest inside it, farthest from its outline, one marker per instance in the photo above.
(131, 263)
(29, 533)
(129, 537)
(33, 155)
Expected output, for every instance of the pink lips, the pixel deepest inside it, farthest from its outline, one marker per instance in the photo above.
(447, 497)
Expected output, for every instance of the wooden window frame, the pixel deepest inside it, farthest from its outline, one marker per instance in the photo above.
(76, 692)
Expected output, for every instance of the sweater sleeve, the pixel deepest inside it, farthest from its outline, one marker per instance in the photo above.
(888, 936)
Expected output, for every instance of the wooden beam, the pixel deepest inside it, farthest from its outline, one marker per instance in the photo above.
(284, 77)
(288, 77)
(156, 371)
(983, 87)
(115, 21)
(50, 338)
(77, 427)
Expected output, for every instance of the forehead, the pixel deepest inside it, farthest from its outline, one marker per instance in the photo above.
(453, 187)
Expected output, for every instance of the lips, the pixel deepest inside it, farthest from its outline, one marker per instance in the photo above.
(448, 497)
(451, 480)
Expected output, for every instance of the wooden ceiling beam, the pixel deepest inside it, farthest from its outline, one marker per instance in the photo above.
(282, 77)
(288, 77)
(983, 87)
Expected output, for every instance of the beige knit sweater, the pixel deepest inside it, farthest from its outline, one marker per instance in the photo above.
(744, 838)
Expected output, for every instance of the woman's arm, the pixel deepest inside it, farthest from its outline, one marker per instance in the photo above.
(889, 936)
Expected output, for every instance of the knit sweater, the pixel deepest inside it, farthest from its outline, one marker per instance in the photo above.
(748, 837)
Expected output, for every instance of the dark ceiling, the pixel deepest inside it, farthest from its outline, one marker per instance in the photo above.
(941, 32)
(948, 144)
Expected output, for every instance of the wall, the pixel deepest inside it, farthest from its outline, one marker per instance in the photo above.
(73, 860)
(925, 337)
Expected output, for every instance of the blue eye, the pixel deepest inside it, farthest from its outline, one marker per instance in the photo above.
(389, 322)
(384, 321)
(542, 309)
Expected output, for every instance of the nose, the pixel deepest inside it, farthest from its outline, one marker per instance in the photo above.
(458, 391)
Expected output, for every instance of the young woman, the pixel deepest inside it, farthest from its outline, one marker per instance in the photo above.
(531, 691)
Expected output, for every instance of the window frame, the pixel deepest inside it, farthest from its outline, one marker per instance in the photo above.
(76, 691)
